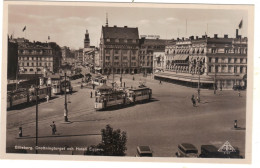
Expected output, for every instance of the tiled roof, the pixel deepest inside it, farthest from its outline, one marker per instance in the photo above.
(120, 32)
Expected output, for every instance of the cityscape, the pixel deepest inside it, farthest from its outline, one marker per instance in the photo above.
(136, 90)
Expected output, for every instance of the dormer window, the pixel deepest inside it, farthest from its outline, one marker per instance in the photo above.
(134, 41)
(108, 40)
(125, 40)
(117, 40)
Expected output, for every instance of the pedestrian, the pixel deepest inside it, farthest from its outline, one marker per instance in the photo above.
(93, 85)
(160, 82)
(91, 94)
(20, 132)
(95, 93)
(81, 86)
(47, 98)
(124, 84)
(239, 93)
(193, 101)
(53, 128)
(133, 78)
(235, 123)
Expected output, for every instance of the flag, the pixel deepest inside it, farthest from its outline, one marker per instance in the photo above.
(240, 24)
(48, 37)
(24, 28)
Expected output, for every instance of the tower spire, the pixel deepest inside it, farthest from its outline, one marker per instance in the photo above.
(106, 20)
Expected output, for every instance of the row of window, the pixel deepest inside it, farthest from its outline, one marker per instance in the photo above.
(35, 51)
(227, 60)
(34, 64)
(124, 64)
(117, 58)
(228, 69)
(133, 52)
(36, 58)
(122, 40)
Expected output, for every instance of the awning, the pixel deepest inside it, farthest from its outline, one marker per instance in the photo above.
(181, 57)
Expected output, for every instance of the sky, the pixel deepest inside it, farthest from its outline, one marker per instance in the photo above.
(66, 25)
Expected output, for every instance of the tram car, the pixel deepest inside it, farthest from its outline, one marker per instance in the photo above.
(122, 97)
(98, 80)
(139, 94)
(68, 86)
(106, 100)
(26, 96)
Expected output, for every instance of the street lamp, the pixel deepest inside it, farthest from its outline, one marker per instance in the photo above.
(65, 103)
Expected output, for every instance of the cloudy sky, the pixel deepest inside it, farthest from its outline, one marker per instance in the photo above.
(67, 25)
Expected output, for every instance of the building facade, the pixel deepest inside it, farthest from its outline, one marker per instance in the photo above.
(146, 52)
(38, 57)
(211, 61)
(119, 49)
(12, 63)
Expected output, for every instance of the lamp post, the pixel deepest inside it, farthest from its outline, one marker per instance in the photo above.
(65, 103)
(199, 82)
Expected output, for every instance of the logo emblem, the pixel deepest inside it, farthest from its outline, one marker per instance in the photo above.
(226, 148)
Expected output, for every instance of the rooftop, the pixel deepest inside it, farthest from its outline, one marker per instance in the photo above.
(120, 32)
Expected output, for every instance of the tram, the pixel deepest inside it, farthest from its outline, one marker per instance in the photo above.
(106, 100)
(122, 97)
(68, 86)
(99, 80)
(26, 96)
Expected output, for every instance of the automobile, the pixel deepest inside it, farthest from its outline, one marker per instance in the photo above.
(187, 150)
(237, 87)
(211, 151)
(144, 151)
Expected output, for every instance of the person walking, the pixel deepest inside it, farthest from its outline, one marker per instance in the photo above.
(124, 84)
(47, 98)
(53, 128)
(91, 94)
(160, 82)
(239, 93)
(193, 101)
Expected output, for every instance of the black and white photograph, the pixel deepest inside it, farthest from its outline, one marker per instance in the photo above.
(139, 81)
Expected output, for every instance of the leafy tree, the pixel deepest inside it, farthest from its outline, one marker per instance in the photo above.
(113, 142)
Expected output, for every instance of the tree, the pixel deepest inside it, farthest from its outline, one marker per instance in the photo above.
(113, 142)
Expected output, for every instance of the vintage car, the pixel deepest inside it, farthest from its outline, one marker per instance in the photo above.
(144, 151)
(187, 150)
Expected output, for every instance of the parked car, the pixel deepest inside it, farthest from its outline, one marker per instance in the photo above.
(144, 151)
(237, 87)
(187, 150)
(211, 151)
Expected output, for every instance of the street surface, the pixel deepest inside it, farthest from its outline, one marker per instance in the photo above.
(163, 123)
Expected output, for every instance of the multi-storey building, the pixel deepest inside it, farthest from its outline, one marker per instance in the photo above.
(146, 52)
(79, 56)
(119, 48)
(38, 57)
(12, 68)
(211, 61)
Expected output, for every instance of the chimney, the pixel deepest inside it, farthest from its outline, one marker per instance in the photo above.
(125, 26)
(215, 35)
(114, 25)
(225, 36)
(203, 37)
(191, 37)
(178, 39)
(197, 37)
(236, 33)
(182, 38)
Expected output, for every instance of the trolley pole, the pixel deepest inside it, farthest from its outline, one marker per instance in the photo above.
(215, 76)
(65, 103)
(36, 93)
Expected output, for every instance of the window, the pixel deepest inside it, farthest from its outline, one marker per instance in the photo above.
(210, 59)
(124, 51)
(116, 52)
(235, 60)
(107, 57)
(241, 60)
(216, 60)
(107, 51)
(27, 63)
(31, 70)
(229, 60)
(133, 58)
(116, 57)
(32, 64)
(124, 58)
